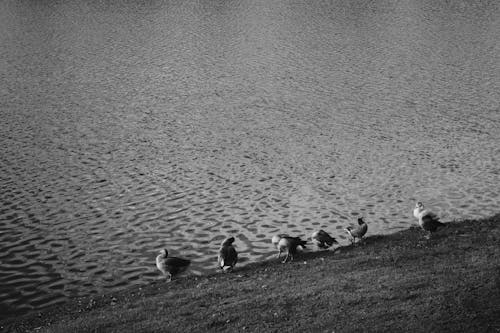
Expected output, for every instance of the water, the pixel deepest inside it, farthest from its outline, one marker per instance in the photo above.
(128, 127)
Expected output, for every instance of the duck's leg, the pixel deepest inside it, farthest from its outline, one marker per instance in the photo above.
(279, 253)
(286, 258)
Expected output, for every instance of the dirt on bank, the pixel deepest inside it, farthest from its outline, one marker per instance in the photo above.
(398, 282)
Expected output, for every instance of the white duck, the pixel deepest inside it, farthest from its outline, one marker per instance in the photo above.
(427, 220)
(289, 244)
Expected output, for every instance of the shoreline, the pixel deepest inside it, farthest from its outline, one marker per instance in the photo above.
(398, 281)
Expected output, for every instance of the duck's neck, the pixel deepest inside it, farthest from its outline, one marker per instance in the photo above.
(417, 211)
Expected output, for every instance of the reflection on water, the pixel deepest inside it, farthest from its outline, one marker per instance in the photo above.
(128, 127)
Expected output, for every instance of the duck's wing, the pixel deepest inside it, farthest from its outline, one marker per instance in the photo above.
(297, 239)
(362, 229)
(291, 243)
(429, 214)
(428, 223)
(322, 233)
(233, 255)
(438, 223)
(322, 239)
(177, 262)
(325, 237)
(318, 239)
(321, 245)
(300, 242)
(330, 241)
(229, 256)
(359, 231)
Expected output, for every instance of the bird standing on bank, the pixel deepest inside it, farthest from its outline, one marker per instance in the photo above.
(427, 220)
(171, 266)
(290, 245)
(322, 239)
(357, 232)
(228, 257)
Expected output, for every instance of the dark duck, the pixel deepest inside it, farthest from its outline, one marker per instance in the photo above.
(322, 239)
(358, 231)
(228, 257)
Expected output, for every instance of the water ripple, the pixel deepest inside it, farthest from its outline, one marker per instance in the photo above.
(176, 124)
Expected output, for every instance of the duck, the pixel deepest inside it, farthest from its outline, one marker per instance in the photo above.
(427, 220)
(290, 245)
(171, 266)
(228, 257)
(322, 239)
(357, 232)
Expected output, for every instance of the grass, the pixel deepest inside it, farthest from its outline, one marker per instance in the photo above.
(398, 282)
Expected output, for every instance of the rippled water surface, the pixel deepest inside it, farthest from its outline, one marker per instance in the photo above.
(129, 126)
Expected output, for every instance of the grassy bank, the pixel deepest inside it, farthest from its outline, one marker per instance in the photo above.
(390, 283)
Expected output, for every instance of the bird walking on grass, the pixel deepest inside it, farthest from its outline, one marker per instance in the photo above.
(357, 232)
(427, 220)
(171, 266)
(288, 244)
(322, 239)
(228, 257)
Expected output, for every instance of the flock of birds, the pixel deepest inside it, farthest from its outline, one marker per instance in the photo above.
(228, 256)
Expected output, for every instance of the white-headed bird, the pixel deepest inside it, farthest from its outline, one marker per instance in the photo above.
(276, 239)
(357, 232)
(427, 220)
(228, 257)
(171, 266)
(290, 245)
(322, 239)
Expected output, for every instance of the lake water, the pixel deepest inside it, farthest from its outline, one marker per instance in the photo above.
(130, 126)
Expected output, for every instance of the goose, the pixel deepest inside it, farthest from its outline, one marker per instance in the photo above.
(357, 232)
(322, 239)
(228, 257)
(171, 266)
(290, 245)
(427, 220)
